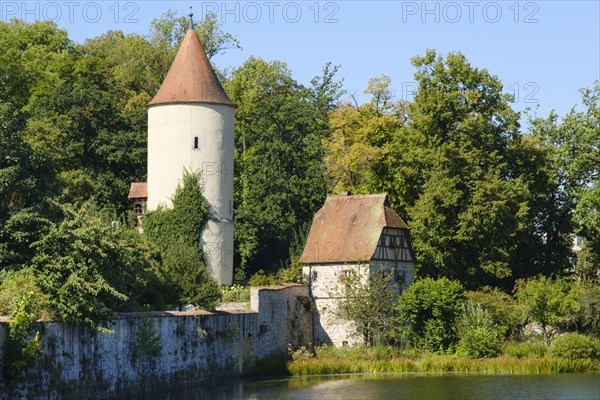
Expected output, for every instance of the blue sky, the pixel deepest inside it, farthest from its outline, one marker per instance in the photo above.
(544, 51)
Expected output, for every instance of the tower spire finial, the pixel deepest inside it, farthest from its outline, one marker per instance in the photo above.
(191, 14)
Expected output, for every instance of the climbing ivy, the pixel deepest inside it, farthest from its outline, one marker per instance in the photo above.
(21, 353)
(177, 232)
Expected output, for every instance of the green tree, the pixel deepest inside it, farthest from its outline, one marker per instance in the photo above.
(548, 302)
(575, 158)
(88, 267)
(360, 140)
(78, 123)
(479, 196)
(428, 310)
(278, 179)
(366, 299)
(25, 179)
(177, 232)
(26, 175)
(588, 307)
(471, 209)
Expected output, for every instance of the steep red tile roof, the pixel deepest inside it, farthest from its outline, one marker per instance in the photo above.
(347, 229)
(191, 78)
(138, 190)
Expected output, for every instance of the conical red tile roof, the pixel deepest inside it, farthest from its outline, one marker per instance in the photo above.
(191, 78)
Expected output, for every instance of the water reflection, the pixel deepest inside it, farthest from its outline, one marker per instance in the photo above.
(407, 386)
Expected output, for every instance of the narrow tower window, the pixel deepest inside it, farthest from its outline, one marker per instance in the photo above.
(196, 146)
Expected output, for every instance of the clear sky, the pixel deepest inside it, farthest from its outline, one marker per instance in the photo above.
(544, 51)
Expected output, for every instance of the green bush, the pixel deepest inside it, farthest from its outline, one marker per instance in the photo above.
(524, 349)
(574, 346)
(550, 303)
(291, 274)
(15, 285)
(501, 307)
(260, 279)
(477, 332)
(428, 311)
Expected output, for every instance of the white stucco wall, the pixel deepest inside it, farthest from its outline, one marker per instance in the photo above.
(171, 132)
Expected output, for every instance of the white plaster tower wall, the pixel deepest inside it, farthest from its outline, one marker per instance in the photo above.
(190, 126)
(197, 137)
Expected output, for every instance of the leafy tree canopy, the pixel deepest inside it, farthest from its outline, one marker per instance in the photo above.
(88, 266)
(278, 177)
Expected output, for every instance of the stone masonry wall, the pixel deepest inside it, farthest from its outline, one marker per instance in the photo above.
(150, 353)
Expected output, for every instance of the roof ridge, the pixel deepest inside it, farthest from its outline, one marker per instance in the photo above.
(357, 196)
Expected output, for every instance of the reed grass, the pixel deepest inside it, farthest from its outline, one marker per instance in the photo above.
(344, 361)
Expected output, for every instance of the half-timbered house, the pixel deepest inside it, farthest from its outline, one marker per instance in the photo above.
(349, 235)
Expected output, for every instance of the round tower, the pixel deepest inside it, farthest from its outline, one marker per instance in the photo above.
(190, 125)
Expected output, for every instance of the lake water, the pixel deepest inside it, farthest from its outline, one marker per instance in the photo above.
(409, 386)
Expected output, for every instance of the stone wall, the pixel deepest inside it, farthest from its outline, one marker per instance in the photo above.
(325, 287)
(150, 353)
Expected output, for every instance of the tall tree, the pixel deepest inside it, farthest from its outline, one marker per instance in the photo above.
(278, 179)
(473, 189)
(573, 146)
(478, 210)
(359, 144)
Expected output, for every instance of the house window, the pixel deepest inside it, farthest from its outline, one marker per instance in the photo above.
(345, 274)
(314, 276)
(196, 143)
(393, 243)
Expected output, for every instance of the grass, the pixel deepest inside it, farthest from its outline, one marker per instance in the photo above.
(330, 360)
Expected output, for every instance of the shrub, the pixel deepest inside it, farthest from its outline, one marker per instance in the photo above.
(15, 285)
(524, 349)
(177, 232)
(366, 300)
(573, 346)
(429, 309)
(262, 279)
(291, 274)
(501, 307)
(19, 352)
(478, 334)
